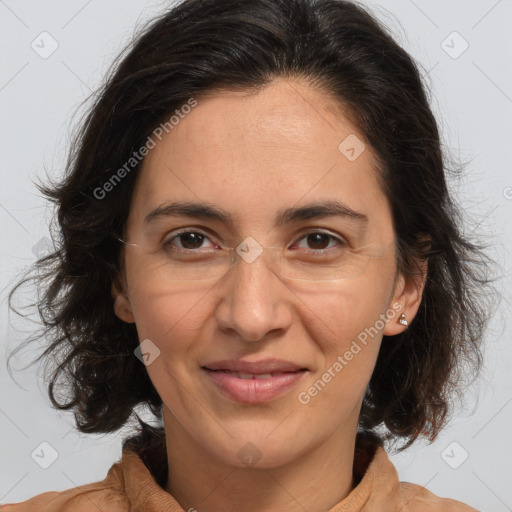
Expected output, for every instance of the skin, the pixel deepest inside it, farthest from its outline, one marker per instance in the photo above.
(253, 154)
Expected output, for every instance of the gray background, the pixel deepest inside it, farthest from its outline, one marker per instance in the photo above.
(472, 97)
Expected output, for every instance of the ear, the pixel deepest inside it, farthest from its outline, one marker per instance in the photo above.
(406, 299)
(122, 306)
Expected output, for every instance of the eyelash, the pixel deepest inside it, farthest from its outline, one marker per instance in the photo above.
(168, 242)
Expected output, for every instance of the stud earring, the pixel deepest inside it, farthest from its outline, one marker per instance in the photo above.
(402, 320)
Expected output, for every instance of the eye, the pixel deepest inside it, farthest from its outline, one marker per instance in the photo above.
(192, 241)
(320, 241)
(187, 241)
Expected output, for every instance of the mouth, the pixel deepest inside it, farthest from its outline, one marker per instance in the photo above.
(248, 376)
(264, 366)
(254, 382)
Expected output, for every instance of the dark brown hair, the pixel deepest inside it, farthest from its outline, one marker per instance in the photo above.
(202, 46)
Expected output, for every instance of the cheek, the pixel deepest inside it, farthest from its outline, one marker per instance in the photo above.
(160, 307)
(347, 325)
(171, 320)
(354, 306)
(168, 316)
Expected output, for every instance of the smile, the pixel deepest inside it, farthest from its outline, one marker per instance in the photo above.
(253, 388)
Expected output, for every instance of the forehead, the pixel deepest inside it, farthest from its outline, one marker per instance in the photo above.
(256, 153)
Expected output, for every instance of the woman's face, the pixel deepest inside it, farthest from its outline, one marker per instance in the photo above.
(253, 156)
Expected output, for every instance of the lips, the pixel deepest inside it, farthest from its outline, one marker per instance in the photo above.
(242, 375)
(254, 382)
(255, 367)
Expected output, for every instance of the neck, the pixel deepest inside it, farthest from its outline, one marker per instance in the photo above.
(315, 480)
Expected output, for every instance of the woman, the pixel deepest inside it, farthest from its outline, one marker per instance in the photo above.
(230, 141)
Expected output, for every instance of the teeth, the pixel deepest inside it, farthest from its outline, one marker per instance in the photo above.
(245, 375)
(264, 376)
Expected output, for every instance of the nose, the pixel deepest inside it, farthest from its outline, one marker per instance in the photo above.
(255, 303)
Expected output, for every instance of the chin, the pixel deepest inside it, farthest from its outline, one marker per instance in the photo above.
(257, 449)
(259, 456)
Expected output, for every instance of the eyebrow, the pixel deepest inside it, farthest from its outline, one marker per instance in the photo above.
(284, 216)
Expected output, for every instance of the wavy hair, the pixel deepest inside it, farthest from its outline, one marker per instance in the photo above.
(201, 46)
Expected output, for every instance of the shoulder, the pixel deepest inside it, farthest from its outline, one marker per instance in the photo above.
(415, 498)
(128, 482)
(380, 489)
(73, 500)
(105, 495)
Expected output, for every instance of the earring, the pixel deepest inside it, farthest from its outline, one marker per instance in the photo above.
(402, 320)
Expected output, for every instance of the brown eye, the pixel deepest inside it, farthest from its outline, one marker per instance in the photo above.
(191, 240)
(187, 241)
(319, 241)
